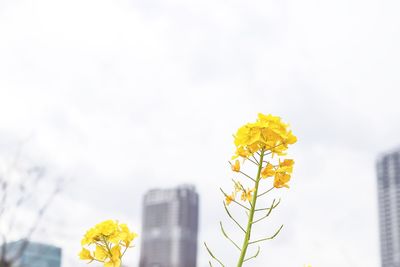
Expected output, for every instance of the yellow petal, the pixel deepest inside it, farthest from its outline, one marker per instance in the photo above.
(100, 253)
(85, 254)
(236, 166)
(268, 171)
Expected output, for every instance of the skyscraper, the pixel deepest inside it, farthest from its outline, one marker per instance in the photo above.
(388, 170)
(34, 255)
(169, 231)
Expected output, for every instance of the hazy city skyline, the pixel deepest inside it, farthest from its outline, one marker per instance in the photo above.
(122, 96)
(35, 254)
(170, 227)
(388, 174)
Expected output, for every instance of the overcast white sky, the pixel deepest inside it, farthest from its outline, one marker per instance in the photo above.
(125, 95)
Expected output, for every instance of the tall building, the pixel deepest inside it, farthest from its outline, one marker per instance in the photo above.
(388, 170)
(33, 255)
(169, 228)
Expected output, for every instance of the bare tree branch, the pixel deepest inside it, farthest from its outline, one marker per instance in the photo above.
(19, 187)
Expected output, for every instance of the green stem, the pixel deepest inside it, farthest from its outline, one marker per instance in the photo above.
(251, 214)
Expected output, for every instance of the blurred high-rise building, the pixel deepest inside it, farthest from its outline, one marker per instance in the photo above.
(169, 227)
(388, 170)
(33, 254)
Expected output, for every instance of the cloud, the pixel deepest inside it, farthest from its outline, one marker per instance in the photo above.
(124, 96)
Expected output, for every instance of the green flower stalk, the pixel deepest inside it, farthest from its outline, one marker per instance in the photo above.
(261, 143)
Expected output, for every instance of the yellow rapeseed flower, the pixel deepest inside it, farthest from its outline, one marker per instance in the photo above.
(268, 171)
(281, 179)
(85, 254)
(107, 238)
(283, 173)
(247, 194)
(230, 198)
(286, 166)
(236, 166)
(238, 186)
(267, 133)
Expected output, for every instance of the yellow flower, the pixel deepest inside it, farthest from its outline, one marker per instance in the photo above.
(126, 236)
(241, 152)
(291, 139)
(281, 179)
(282, 174)
(85, 254)
(267, 133)
(116, 263)
(89, 237)
(286, 166)
(107, 228)
(267, 171)
(236, 166)
(106, 238)
(229, 198)
(115, 259)
(100, 253)
(238, 186)
(247, 194)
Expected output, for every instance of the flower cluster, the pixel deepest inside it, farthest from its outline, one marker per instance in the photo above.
(281, 172)
(106, 242)
(267, 133)
(245, 194)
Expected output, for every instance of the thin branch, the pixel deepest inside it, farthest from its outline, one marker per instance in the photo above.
(266, 192)
(267, 238)
(269, 211)
(212, 255)
(3, 201)
(279, 201)
(3, 249)
(233, 219)
(12, 166)
(37, 174)
(254, 158)
(273, 148)
(227, 237)
(36, 223)
(254, 256)
(249, 159)
(248, 176)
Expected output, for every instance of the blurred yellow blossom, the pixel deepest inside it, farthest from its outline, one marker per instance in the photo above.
(267, 133)
(104, 242)
(85, 254)
(238, 186)
(286, 166)
(283, 173)
(229, 198)
(281, 180)
(236, 166)
(247, 194)
(268, 171)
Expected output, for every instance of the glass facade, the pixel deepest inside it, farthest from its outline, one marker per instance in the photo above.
(170, 225)
(388, 171)
(34, 255)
